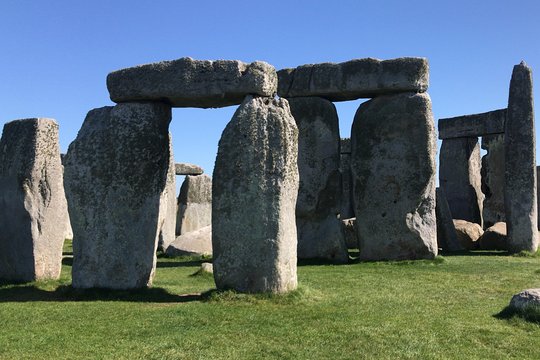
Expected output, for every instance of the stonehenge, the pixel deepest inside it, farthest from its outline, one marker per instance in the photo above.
(194, 204)
(188, 169)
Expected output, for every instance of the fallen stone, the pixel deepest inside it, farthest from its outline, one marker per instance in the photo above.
(188, 169)
(475, 125)
(194, 204)
(206, 268)
(393, 163)
(349, 229)
(193, 83)
(459, 177)
(116, 174)
(494, 238)
(347, 196)
(468, 233)
(320, 234)
(446, 231)
(351, 80)
(493, 164)
(526, 299)
(254, 236)
(198, 242)
(33, 208)
(167, 210)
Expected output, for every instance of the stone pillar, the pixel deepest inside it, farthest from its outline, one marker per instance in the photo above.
(167, 211)
(33, 208)
(194, 204)
(459, 177)
(347, 206)
(254, 191)
(446, 231)
(520, 173)
(320, 234)
(393, 164)
(116, 175)
(493, 179)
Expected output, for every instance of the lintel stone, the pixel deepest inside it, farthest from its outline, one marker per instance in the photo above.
(491, 122)
(188, 169)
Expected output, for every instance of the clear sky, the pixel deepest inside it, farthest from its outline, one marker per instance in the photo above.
(55, 55)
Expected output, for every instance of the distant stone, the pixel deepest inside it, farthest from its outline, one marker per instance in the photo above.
(359, 78)
(193, 83)
(393, 164)
(526, 299)
(475, 125)
(493, 165)
(468, 233)
(33, 208)
(206, 268)
(167, 211)
(254, 236)
(320, 234)
(520, 172)
(117, 171)
(194, 204)
(347, 196)
(349, 229)
(446, 231)
(494, 238)
(198, 242)
(188, 169)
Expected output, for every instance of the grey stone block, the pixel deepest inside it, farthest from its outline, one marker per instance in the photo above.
(184, 169)
(194, 204)
(475, 125)
(446, 231)
(493, 165)
(167, 207)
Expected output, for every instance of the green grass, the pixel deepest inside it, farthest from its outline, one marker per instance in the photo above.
(450, 308)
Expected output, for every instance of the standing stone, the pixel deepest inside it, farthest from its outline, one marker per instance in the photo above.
(393, 164)
(255, 186)
(320, 234)
(167, 211)
(347, 206)
(446, 231)
(194, 204)
(33, 208)
(116, 174)
(493, 165)
(459, 177)
(520, 173)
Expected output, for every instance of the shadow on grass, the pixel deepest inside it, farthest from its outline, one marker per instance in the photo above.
(67, 260)
(475, 253)
(171, 264)
(530, 314)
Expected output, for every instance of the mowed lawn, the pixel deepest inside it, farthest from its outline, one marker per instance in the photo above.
(442, 309)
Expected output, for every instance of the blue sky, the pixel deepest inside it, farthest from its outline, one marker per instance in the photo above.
(55, 55)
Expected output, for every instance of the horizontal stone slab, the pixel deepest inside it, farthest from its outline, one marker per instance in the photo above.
(188, 169)
(355, 79)
(475, 125)
(193, 83)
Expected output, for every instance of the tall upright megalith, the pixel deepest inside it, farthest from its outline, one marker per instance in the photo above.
(33, 209)
(167, 212)
(194, 204)
(254, 191)
(320, 233)
(116, 173)
(393, 165)
(347, 196)
(520, 172)
(493, 164)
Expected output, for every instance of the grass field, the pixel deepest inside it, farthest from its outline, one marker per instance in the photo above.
(442, 309)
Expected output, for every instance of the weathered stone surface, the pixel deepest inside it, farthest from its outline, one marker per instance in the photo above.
(116, 174)
(354, 79)
(207, 268)
(318, 206)
(193, 83)
(188, 169)
(347, 196)
(475, 125)
(254, 198)
(194, 204)
(33, 208)
(167, 207)
(459, 177)
(493, 164)
(494, 238)
(525, 299)
(537, 196)
(468, 233)
(349, 229)
(393, 163)
(197, 242)
(446, 232)
(520, 172)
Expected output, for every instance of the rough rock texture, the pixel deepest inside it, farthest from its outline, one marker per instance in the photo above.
(493, 165)
(475, 125)
(525, 299)
(347, 196)
(349, 229)
(33, 208)
(198, 242)
(318, 206)
(188, 169)
(494, 238)
(520, 172)
(194, 204)
(167, 210)
(537, 196)
(393, 164)
(468, 233)
(193, 83)
(255, 186)
(116, 174)
(206, 268)
(446, 231)
(459, 177)
(359, 78)
(68, 234)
